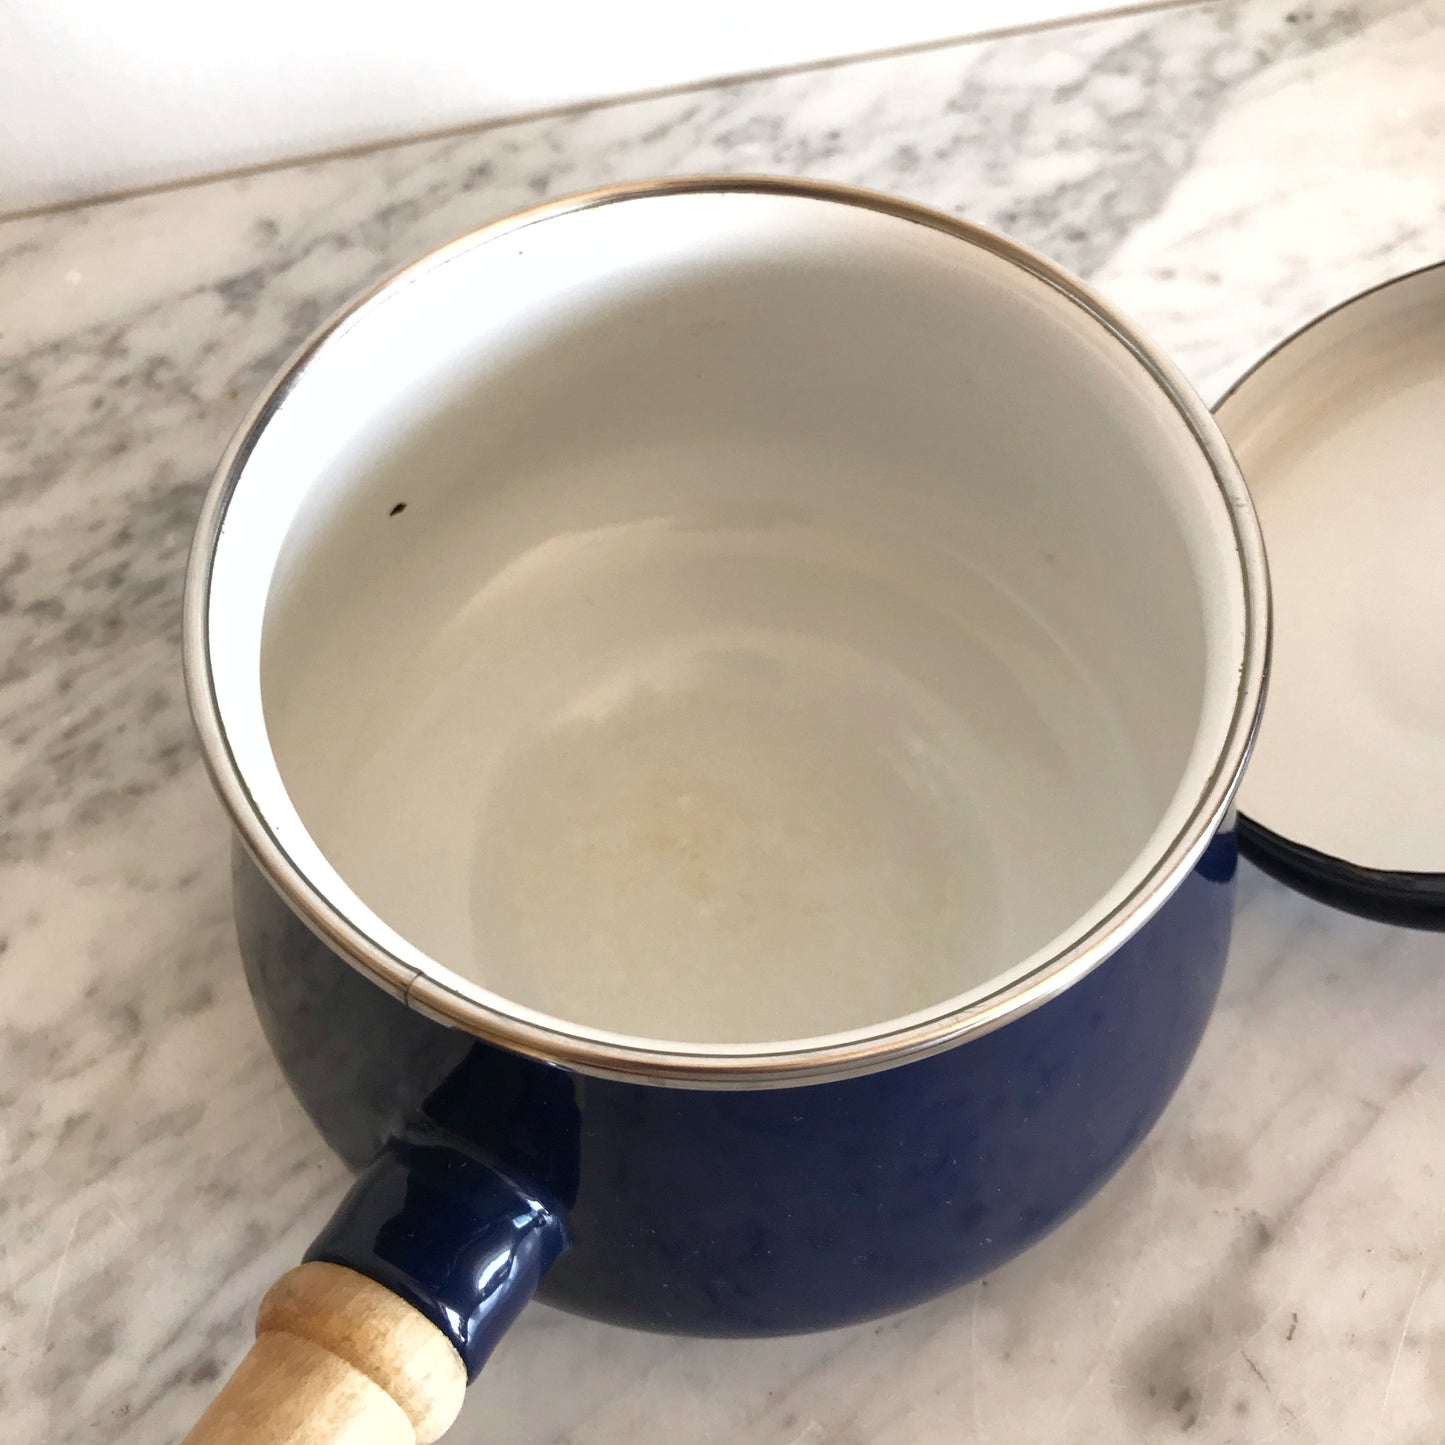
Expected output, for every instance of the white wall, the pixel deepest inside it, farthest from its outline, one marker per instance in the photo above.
(106, 95)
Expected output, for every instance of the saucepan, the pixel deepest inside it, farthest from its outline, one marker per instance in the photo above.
(731, 694)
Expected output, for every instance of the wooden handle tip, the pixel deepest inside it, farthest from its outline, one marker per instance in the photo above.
(338, 1360)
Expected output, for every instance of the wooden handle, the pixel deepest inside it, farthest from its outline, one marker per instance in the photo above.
(338, 1360)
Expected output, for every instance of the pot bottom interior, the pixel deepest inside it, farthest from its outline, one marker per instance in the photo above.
(731, 777)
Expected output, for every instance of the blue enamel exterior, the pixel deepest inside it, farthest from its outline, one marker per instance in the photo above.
(724, 1212)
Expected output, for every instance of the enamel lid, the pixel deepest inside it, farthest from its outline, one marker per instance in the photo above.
(1340, 433)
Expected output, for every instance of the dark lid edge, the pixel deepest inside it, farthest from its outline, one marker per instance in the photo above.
(1415, 900)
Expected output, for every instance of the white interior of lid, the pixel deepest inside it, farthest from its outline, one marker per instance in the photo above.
(799, 621)
(1341, 437)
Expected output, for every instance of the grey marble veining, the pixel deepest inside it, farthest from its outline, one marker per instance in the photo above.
(1269, 1267)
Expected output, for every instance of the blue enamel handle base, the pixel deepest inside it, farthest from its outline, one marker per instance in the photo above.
(450, 1233)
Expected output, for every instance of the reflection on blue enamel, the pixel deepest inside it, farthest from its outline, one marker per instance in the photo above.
(715, 1211)
(1220, 860)
(450, 1233)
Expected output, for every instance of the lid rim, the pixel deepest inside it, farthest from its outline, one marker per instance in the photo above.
(1384, 895)
(1289, 339)
(1414, 900)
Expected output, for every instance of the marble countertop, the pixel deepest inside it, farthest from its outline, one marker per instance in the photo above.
(1268, 1267)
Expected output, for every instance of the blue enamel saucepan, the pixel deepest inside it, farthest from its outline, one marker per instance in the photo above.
(730, 693)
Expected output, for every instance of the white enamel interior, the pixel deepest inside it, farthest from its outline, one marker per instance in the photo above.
(1341, 435)
(801, 619)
